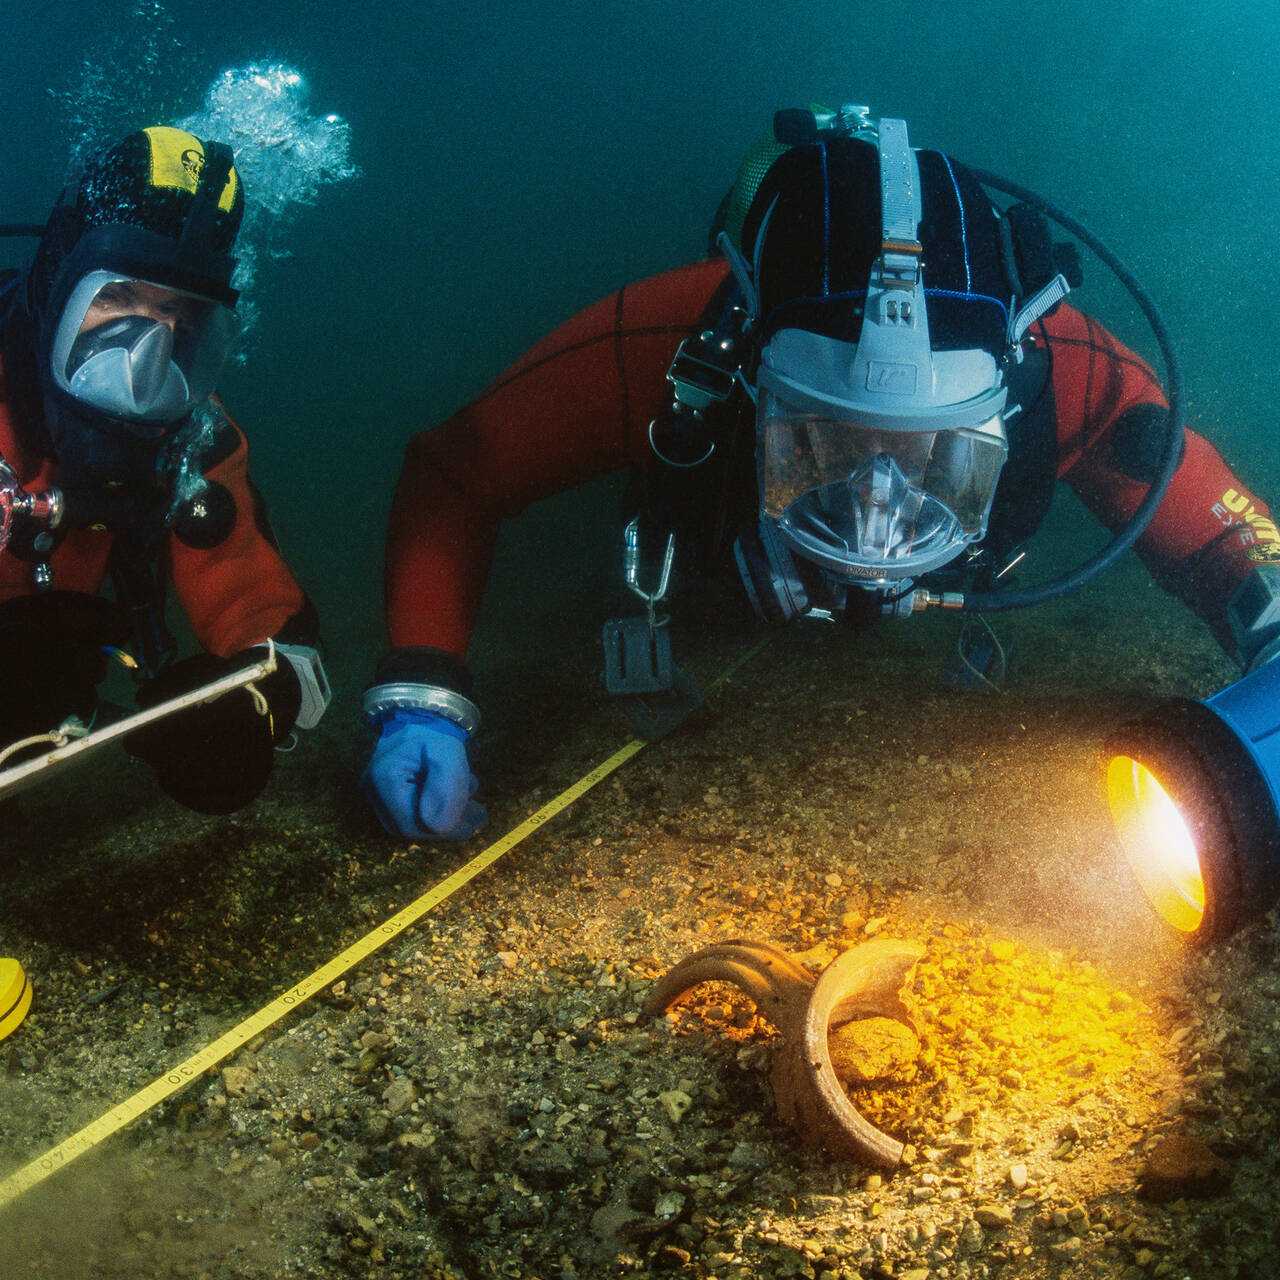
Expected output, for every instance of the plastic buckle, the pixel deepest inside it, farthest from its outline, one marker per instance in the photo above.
(900, 264)
(637, 656)
(314, 683)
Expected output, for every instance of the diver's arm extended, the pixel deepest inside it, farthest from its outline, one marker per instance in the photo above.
(238, 595)
(1210, 531)
(574, 407)
(578, 405)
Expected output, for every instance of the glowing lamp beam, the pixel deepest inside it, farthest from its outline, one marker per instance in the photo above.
(1158, 843)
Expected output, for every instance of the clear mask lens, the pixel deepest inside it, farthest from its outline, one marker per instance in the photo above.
(867, 502)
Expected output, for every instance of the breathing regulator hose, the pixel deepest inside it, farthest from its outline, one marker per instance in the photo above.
(993, 601)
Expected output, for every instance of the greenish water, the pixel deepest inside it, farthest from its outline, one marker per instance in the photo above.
(518, 161)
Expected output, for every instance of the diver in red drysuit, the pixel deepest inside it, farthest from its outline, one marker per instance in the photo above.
(580, 404)
(559, 417)
(234, 594)
(120, 463)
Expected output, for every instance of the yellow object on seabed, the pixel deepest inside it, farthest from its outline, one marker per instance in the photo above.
(15, 996)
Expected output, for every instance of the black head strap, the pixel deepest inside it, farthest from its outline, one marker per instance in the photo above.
(1029, 255)
(199, 227)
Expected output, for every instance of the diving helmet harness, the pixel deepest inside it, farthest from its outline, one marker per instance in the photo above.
(712, 365)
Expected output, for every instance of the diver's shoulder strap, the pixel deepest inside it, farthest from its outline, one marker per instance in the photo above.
(695, 438)
(1026, 484)
(703, 376)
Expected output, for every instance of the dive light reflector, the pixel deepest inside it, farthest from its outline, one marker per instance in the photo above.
(1158, 843)
(1194, 789)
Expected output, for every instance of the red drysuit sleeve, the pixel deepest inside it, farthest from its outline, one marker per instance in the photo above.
(1210, 530)
(575, 407)
(240, 592)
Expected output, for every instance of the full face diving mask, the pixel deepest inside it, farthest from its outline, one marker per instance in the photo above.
(137, 315)
(139, 352)
(878, 460)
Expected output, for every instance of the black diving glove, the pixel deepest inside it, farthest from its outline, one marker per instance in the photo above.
(216, 757)
(53, 654)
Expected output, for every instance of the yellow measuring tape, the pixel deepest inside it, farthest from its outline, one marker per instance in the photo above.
(158, 1090)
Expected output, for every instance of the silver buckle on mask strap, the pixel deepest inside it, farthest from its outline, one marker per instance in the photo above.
(1044, 299)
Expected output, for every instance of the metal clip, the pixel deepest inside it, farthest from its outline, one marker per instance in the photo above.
(637, 652)
(631, 564)
(699, 383)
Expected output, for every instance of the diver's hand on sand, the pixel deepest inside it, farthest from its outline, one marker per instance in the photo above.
(418, 779)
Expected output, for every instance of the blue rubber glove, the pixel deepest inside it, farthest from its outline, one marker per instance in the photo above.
(418, 779)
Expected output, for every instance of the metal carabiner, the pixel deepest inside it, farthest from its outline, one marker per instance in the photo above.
(631, 565)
